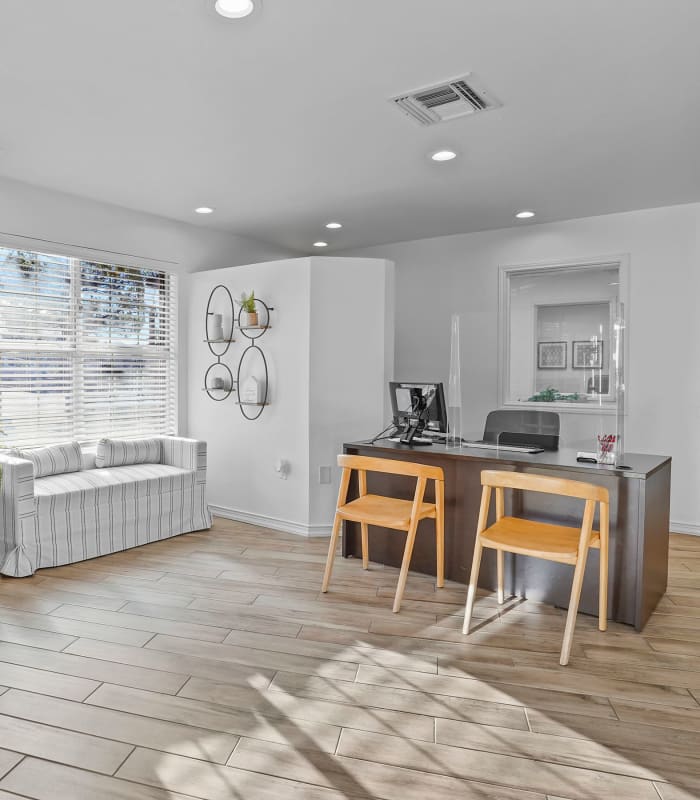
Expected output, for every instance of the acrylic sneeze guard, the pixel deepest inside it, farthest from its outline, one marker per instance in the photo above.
(454, 388)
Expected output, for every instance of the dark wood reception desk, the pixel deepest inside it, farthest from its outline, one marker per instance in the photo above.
(639, 523)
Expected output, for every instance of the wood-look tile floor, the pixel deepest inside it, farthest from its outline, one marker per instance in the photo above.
(209, 666)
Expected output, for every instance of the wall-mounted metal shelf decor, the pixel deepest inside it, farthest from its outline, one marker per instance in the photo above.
(250, 410)
(219, 393)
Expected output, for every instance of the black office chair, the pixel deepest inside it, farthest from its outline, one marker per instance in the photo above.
(513, 426)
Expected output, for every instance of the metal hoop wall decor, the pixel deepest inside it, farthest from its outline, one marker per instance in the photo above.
(261, 405)
(252, 333)
(223, 392)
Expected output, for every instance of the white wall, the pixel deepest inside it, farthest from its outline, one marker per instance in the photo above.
(42, 219)
(242, 454)
(328, 362)
(435, 277)
(33, 217)
(571, 323)
(352, 360)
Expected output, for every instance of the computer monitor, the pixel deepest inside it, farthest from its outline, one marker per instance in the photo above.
(406, 399)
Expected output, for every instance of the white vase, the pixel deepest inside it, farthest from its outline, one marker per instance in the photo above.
(217, 327)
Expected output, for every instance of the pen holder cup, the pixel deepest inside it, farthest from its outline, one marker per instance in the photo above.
(606, 450)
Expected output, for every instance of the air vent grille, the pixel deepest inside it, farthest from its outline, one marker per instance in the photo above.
(445, 101)
(478, 103)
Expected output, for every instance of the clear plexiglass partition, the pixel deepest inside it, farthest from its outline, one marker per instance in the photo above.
(563, 349)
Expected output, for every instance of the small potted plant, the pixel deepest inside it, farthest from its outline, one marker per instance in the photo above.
(247, 304)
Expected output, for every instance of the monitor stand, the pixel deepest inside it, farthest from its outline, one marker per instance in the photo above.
(412, 436)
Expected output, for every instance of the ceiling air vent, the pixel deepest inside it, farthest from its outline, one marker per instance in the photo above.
(445, 101)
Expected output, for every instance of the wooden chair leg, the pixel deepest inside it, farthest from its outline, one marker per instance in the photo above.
(603, 588)
(364, 527)
(337, 522)
(440, 551)
(603, 577)
(576, 585)
(500, 559)
(471, 591)
(440, 533)
(403, 575)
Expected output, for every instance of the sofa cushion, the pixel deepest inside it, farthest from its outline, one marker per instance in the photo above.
(95, 479)
(123, 452)
(54, 460)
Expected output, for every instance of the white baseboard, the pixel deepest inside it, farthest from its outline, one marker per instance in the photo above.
(685, 527)
(284, 525)
(287, 526)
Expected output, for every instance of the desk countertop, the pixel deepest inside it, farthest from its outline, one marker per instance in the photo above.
(640, 465)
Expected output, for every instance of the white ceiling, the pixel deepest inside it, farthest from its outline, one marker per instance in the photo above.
(281, 121)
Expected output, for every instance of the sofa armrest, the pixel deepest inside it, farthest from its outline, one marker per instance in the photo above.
(186, 454)
(17, 505)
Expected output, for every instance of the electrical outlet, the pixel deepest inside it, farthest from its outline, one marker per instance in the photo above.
(324, 474)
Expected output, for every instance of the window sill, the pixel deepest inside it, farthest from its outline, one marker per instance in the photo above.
(565, 408)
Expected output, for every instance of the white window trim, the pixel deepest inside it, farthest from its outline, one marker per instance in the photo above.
(621, 261)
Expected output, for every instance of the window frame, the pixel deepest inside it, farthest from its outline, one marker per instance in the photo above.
(619, 261)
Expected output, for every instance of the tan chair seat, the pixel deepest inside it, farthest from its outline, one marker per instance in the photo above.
(540, 539)
(385, 512)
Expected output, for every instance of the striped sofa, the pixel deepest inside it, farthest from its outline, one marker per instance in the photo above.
(63, 518)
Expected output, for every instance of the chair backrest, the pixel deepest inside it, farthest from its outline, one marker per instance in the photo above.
(500, 479)
(391, 466)
(544, 423)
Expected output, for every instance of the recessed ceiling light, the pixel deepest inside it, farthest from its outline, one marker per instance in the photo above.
(444, 155)
(320, 244)
(204, 210)
(234, 9)
(525, 214)
(333, 226)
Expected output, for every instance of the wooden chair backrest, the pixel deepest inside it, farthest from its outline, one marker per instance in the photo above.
(500, 479)
(391, 466)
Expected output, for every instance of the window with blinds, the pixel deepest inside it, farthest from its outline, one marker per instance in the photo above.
(86, 350)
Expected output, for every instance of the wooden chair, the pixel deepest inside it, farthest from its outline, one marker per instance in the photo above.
(389, 512)
(551, 542)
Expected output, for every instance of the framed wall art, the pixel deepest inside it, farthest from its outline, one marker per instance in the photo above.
(587, 354)
(551, 355)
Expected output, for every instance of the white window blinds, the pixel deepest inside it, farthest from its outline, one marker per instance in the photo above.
(86, 350)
